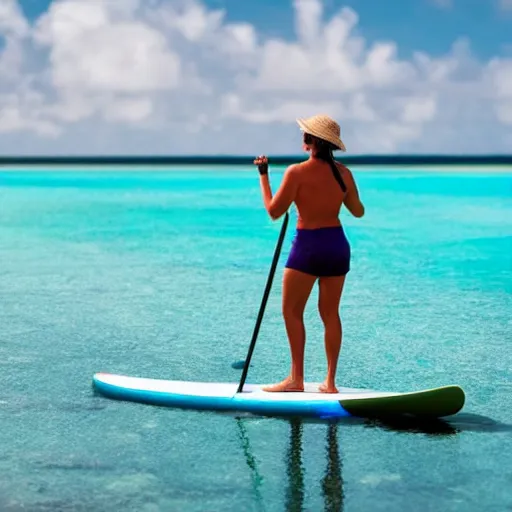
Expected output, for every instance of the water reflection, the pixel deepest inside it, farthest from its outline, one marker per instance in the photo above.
(461, 422)
(431, 427)
(331, 483)
(295, 470)
(257, 479)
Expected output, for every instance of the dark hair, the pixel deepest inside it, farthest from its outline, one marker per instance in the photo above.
(324, 152)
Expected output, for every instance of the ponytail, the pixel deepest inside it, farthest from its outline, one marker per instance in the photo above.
(325, 153)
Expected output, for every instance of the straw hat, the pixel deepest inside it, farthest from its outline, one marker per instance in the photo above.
(323, 127)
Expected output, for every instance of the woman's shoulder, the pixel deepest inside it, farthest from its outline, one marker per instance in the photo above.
(343, 168)
(345, 172)
(294, 169)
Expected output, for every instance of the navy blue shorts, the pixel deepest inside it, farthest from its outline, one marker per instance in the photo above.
(322, 252)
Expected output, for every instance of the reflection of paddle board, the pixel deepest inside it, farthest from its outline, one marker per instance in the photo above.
(436, 402)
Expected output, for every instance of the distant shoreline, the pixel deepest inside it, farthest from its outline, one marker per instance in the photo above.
(276, 169)
(434, 161)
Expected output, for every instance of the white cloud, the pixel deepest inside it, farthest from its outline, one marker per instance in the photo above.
(278, 112)
(419, 110)
(11, 60)
(92, 50)
(132, 110)
(12, 21)
(19, 111)
(193, 21)
(500, 73)
(504, 112)
(179, 71)
(505, 5)
(328, 58)
(13, 29)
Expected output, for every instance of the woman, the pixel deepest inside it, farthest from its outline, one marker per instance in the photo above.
(320, 249)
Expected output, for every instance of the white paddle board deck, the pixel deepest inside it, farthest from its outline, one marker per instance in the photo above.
(437, 402)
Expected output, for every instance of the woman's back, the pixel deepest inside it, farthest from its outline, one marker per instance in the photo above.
(319, 196)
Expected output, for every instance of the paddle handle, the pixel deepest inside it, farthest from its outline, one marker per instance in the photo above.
(261, 312)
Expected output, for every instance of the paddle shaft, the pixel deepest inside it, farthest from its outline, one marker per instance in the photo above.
(261, 312)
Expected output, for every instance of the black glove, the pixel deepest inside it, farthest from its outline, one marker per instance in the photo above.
(262, 163)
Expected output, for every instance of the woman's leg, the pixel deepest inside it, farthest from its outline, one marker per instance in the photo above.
(328, 306)
(297, 287)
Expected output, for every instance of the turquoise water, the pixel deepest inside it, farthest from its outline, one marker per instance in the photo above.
(160, 274)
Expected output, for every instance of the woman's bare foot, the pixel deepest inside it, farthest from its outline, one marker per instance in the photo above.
(327, 387)
(286, 385)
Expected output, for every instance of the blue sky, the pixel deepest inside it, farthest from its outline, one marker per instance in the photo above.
(426, 25)
(231, 76)
(414, 24)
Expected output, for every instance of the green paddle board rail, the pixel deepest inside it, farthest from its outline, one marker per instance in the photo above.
(430, 403)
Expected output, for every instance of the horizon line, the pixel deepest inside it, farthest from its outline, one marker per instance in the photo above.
(363, 159)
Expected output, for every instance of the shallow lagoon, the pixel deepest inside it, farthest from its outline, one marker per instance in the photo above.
(160, 274)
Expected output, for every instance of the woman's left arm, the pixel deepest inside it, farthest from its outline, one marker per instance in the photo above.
(277, 205)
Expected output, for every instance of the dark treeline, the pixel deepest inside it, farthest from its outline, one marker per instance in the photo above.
(247, 160)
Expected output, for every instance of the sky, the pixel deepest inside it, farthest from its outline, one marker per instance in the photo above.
(175, 77)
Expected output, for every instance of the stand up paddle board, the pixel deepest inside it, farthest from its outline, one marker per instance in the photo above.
(433, 403)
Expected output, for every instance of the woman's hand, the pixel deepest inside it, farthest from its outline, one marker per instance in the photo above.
(262, 163)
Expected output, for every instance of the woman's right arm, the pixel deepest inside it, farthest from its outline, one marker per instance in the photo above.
(352, 200)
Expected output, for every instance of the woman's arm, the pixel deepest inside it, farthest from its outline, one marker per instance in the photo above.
(277, 205)
(352, 200)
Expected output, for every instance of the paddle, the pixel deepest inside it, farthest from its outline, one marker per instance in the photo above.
(268, 287)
